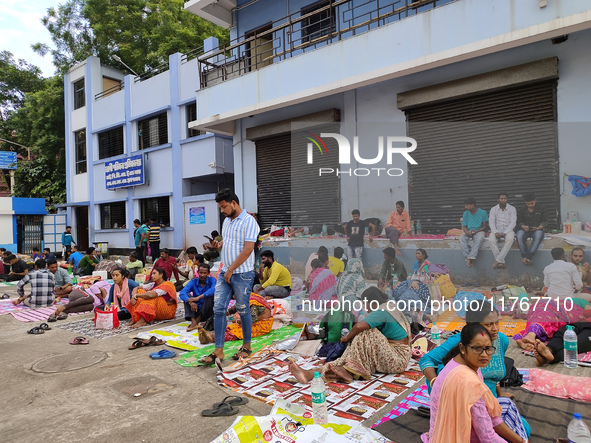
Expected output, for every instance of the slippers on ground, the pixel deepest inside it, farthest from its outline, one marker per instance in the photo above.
(79, 341)
(155, 341)
(52, 318)
(62, 316)
(138, 343)
(223, 410)
(35, 331)
(45, 327)
(232, 400)
(164, 353)
(4, 297)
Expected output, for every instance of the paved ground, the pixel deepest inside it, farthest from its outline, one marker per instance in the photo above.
(96, 403)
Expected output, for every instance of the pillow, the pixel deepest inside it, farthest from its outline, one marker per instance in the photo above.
(559, 385)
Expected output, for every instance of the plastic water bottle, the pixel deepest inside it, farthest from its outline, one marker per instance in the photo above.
(319, 409)
(570, 348)
(69, 269)
(324, 230)
(366, 231)
(578, 432)
(435, 334)
(394, 280)
(74, 280)
(285, 232)
(419, 231)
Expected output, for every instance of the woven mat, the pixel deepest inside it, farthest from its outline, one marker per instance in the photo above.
(269, 380)
(418, 397)
(6, 306)
(450, 321)
(192, 358)
(86, 327)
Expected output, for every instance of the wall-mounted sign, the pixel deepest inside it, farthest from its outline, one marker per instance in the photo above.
(7, 160)
(125, 172)
(197, 215)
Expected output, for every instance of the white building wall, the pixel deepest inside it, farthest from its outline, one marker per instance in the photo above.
(108, 110)
(150, 95)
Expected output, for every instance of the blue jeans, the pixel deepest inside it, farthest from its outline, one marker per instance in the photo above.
(355, 252)
(472, 252)
(240, 286)
(522, 236)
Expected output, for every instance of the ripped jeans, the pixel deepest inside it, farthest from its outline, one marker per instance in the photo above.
(240, 286)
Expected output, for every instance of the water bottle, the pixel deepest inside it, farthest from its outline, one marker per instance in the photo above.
(319, 409)
(570, 348)
(74, 280)
(324, 230)
(577, 431)
(394, 280)
(419, 232)
(285, 232)
(435, 334)
(69, 269)
(366, 231)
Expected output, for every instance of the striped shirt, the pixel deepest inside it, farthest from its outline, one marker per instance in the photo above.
(154, 232)
(42, 287)
(235, 232)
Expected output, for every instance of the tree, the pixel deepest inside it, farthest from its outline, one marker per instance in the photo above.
(16, 79)
(142, 32)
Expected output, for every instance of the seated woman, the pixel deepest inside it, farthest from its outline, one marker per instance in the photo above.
(469, 411)
(547, 318)
(323, 284)
(262, 321)
(134, 266)
(153, 301)
(83, 300)
(486, 315)
(421, 266)
(120, 292)
(351, 283)
(379, 343)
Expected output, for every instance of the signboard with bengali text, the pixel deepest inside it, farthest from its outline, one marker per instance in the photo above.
(125, 172)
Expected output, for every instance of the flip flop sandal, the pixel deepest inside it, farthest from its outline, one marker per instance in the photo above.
(155, 341)
(52, 318)
(62, 316)
(232, 400)
(79, 341)
(45, 327)
(213, 359)
(242, 349)
(138, 344)
(35, 331)
(224, 410)
(4, 296)
(164, 353)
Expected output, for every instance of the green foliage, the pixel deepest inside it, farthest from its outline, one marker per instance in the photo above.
(16, 79)
(142, 32)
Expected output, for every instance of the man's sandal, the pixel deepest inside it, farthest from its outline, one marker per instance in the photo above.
(244, 350)
(211, 356)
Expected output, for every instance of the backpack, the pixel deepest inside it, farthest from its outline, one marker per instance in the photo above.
(377, 223)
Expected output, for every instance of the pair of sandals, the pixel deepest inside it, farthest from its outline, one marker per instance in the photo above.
(53, 317)
(79, 341)
(213, 359)
(4, 297)
(226, 407)
(141, 342)
(39, 329)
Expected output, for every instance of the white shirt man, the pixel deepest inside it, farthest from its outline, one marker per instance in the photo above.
(561, 278)
(502, 221)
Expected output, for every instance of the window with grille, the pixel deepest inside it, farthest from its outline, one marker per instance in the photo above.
(113, 215)
(156, 208)
(80, 143)
(111, 143)
(192, 116)
(79, 97)
(318, 25)
(152, 131)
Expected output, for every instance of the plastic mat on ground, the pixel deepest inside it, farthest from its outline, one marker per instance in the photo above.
(450, 321)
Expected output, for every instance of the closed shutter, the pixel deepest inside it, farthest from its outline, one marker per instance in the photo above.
(502, 141)
(290, 191)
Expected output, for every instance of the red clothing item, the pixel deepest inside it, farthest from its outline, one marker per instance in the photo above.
(168, 267)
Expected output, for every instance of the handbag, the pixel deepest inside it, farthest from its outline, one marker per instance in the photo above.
(106, 319)
(448, 290)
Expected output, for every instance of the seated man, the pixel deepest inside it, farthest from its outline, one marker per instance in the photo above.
(562, 278)
(211, 251)
(553, 351)
(474, 225)
(390, 268)
(398, 225)
(42, 287)
(75, 257)
(36, 254)
(63, 281)
(197, 296)
(577, 256)
(502, 220)
(167, 263)
(192, 259)
(275, 278)
(48, 255)
(335, 264)
(531, 222)
(135, 265)
(18, 269)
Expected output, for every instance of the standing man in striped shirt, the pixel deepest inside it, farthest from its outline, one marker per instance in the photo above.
(154, 239)
(240, 231)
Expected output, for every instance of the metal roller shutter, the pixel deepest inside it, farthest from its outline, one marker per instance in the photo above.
(502, 141)
(290, 191)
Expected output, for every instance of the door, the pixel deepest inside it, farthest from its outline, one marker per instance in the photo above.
(81, 228)
(200, 218)
(29, 233)
(259, 52)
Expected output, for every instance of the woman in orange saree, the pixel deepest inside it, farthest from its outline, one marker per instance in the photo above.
(154, 301)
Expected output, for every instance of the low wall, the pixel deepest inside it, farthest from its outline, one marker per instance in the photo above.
(295, 253)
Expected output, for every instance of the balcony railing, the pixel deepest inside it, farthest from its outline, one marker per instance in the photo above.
(152, 73)
(304, 31)
(109, 91)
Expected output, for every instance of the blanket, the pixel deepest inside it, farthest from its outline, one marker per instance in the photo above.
(450, 321)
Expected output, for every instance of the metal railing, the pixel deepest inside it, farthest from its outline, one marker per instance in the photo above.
(151, 73)
(304, 31)
(109, 91)
(192, 54)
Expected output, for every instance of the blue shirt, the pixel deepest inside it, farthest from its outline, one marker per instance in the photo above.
(195, 287)
(75, 258)
(143, 229)
(474, 221)
(235, 232)
(492, 374)
(67, 239)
